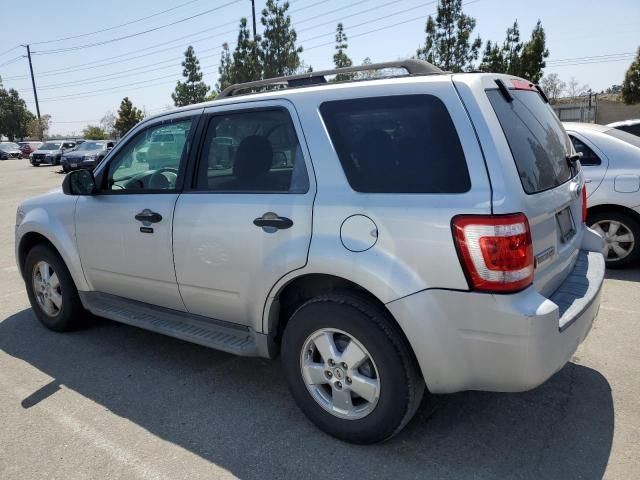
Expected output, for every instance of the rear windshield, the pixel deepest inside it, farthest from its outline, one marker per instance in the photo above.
(538, 142)
(624, 136)
(397, 144)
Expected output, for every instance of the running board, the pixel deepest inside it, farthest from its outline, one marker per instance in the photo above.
(228, 337)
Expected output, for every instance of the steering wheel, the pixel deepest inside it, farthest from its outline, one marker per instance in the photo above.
(160, 181)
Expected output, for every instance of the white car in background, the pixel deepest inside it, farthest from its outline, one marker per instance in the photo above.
(611, 164)
(630, 126)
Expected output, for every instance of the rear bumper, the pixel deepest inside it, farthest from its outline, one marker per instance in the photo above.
(506, 343)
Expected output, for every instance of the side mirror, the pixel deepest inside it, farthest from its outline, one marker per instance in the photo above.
(79, 182)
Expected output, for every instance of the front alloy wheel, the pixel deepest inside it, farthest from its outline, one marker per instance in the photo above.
(47, 288)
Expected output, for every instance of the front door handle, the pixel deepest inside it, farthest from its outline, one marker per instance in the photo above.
(272, 221)
(147, 216)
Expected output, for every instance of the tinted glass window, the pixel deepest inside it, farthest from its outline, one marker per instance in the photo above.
(147, 163)
(633, 129)
(399, 144)
(253, 151)
(537, 140)
(625, 136)
(588, 156)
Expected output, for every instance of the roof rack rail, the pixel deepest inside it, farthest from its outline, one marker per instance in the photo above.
(413, 67)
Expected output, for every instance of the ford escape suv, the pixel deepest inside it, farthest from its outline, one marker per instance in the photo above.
(386, 238)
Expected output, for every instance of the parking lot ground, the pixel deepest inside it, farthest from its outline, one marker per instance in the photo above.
(112, 401)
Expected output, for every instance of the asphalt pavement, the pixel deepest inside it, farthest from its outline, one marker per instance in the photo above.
(113, 401)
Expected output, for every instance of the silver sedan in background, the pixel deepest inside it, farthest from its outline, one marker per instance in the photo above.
(611, 163)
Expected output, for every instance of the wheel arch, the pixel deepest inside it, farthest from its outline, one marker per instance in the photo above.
(35, 236)
(609, 207)
(301, 288)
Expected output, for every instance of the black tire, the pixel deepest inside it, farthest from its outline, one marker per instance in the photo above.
(65, 169)
(71, 312)
(401, 384)
(631, 225)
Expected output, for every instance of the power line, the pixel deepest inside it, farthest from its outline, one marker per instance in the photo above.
(124, 37)
(592, 57)
(10, 50)
(89, 93)
(99, 78)
(115, 26)
(101, 62)
(13, 60)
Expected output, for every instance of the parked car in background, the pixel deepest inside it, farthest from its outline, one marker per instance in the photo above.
(50, 152)
(629, 126)
(385, 238)
(28, 148)
(9, 150)
(611, 165)
(86, 155)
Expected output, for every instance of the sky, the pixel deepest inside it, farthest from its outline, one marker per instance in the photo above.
(80, 79)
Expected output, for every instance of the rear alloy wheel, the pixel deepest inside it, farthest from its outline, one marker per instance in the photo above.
(340, 374)
(350, 369)
(621, 235)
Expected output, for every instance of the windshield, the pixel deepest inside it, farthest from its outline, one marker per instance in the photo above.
(91, 146)
(50, 146)
(624, 136)
(537, 140)
(9, 146)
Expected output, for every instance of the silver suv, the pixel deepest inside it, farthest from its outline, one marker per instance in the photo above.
(386, 238)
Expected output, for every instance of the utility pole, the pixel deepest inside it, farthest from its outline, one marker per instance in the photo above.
(253, 13)
(35, 92)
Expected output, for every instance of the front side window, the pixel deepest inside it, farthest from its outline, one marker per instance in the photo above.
(589, 157)
(397, 144)
(149, 161)
(253, 151)
(537, 140)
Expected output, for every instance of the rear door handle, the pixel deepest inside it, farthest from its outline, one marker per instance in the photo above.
(147, 216)
(272, 221)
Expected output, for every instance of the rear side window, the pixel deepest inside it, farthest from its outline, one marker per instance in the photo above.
(624, 136)
(537, 140)
(397, 144)
(589, 157)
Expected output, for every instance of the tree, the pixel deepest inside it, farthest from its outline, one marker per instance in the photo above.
(534, 52)
(247, 57)
(39, 129)
(128, 117)
(492, 59)
(193, 90)
(107, 123)
(224, 69)
(511, 50)
(631, 83)
(552, 86)
(340, 58)
(367, 74)
(280, 56)
(574, 89)
(516, 58)
(614, 89)
(94, 132)
(15, 118)
(448, 42)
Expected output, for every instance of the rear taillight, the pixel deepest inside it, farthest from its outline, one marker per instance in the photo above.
(584, 204)
(495, 251)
